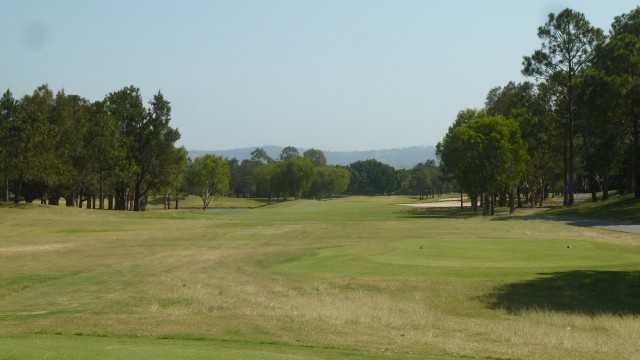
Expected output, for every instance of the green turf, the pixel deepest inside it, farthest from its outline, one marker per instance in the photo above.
(55, 347)
(357, 277)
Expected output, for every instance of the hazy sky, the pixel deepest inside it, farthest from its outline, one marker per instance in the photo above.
(334, 75)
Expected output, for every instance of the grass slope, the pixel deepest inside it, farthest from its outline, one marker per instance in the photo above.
(618, 208)
(349, 278)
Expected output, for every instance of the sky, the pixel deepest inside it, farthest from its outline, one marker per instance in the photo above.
(338, 75)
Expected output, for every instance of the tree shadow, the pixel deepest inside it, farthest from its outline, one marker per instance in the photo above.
(440, 213)
(583, 292)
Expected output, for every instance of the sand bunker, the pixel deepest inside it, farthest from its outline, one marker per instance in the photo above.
(442, 203)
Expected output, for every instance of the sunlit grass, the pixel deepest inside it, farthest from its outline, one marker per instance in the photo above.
(356, 277)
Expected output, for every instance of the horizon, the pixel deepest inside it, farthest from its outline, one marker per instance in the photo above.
(307, 148)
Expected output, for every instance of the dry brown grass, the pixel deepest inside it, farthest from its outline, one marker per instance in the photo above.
(291, 275)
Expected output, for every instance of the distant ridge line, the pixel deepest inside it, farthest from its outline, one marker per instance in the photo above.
(399, 158)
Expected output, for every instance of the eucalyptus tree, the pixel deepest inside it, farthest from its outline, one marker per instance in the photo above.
(260, 155)
(329, 181)
(147, 140)
(371, 177)
(103, 149)
(289, 152)
(172, 181)
(208, 176)
(298, 175)
(32, 140)
(316, 156)
(70, 118)
(29, 147)
(267, 179)
(125, 106)
(454, 159)
(619, 59)
(421, 180)
(487, 154)
(600, 100)
(155, 148)
(568, 43)
(529, 106)
(8, 109)
(244, 174)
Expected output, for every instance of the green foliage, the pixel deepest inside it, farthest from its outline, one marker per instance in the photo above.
(8, 109)
(486, 155)
(147, 140)
(421, 180)
(568, 47)
(30, 145)
(260, 155)
(289, 152)
(329, 181)
(371, 177)
(568, 42)
(316, 156)
(208, 177)
(298, 173)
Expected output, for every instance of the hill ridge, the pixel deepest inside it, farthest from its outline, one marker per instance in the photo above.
(399, 158)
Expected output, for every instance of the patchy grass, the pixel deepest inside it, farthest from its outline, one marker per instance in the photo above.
(357, 277)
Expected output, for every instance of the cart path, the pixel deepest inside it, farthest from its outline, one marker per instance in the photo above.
(595, 223)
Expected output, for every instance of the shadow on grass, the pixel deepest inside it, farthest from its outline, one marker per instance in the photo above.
(440, 213)
(620, 208)
(584, 292)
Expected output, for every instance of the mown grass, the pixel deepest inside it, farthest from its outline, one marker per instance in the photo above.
(357, 277)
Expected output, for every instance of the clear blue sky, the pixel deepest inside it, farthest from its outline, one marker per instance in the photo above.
(333, 75)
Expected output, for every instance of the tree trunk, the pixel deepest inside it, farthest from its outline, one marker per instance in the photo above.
(485, 204)
(565, 170)
(121, 201)
(137, 199)
(101, 199)
(80, 198)
(593, 187)
(636, 158)
(16, 196)
(493, 203)
(5, 193)
(519, 194)
(512, 200)
(532, 196)
(605, 186)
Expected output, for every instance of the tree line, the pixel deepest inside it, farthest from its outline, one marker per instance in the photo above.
(117, 152)
(574, 128)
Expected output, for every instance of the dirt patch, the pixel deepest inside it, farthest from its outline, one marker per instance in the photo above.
(29, 248)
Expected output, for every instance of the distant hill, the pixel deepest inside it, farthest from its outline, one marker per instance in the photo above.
(401, 158)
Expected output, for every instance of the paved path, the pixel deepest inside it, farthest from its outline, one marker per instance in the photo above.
(596, 223)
